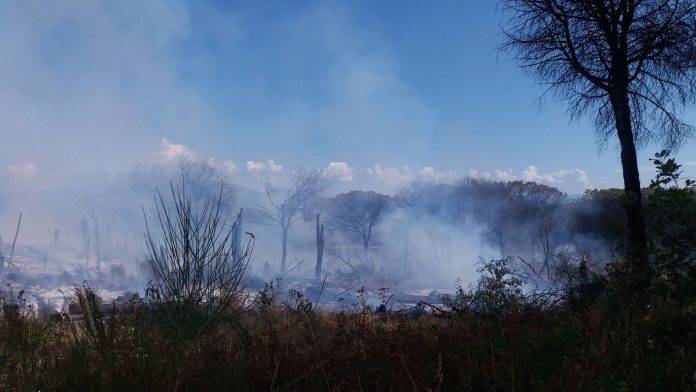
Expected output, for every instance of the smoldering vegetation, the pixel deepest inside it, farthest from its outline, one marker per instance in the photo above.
(183, 278)
(419, 241)
(361, 302)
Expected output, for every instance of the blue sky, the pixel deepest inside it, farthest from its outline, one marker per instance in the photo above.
(388, 91)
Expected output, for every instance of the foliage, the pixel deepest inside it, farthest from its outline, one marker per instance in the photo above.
(600, 214)
(499, 291)
(673, 229)
(87, 321)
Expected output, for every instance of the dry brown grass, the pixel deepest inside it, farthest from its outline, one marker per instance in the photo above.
(280, 349)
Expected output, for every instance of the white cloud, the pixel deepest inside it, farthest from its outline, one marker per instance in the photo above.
(22, 171)
(168, 152)
(560, 177)
(473, 173)
(263, 167)
(504, 175)
(390, 174)
(497, 175)
(385, 178)
(227, 166)
(531, 173)
(340, 170)
(428, 173)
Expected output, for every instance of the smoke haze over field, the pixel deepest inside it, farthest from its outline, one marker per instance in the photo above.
(101, 102)
(347, 195)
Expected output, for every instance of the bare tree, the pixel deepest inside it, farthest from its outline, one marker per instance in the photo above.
(628, 63)
(91, 205)
(358, 212)
(284, 211)
(203, 181)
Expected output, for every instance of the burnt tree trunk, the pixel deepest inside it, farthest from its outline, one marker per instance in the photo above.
(367, 237)
(283, 261)
(109, 243)
(407, 262)
(320, 248)
(85, 233)
(97, 249)
(629, 163)
(237, 248)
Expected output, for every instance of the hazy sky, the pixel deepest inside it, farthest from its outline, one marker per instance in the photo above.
(379, 92)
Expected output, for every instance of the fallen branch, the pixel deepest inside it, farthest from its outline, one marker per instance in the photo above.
(441, 312)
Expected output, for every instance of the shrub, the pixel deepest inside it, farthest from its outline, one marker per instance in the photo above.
(87, 321)
(497, 292)
(672, 210)
(198, 264)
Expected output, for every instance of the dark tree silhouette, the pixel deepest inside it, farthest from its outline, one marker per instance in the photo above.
(628, 63)
(358, 212)
(512, 211)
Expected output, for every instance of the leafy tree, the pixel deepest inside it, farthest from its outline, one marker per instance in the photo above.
(428, 198)
(358, 212)
(511, 210)
(599, 214)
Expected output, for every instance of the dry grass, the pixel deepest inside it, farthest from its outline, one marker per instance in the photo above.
(274, 348)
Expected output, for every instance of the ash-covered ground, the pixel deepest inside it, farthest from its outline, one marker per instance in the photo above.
(43, 280)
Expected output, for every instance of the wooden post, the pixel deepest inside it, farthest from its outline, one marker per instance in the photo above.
(14, 242)
(85, 234)
(320, 248)
(87, 254)
(97, 249)
(109, 244)
(237, 248)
